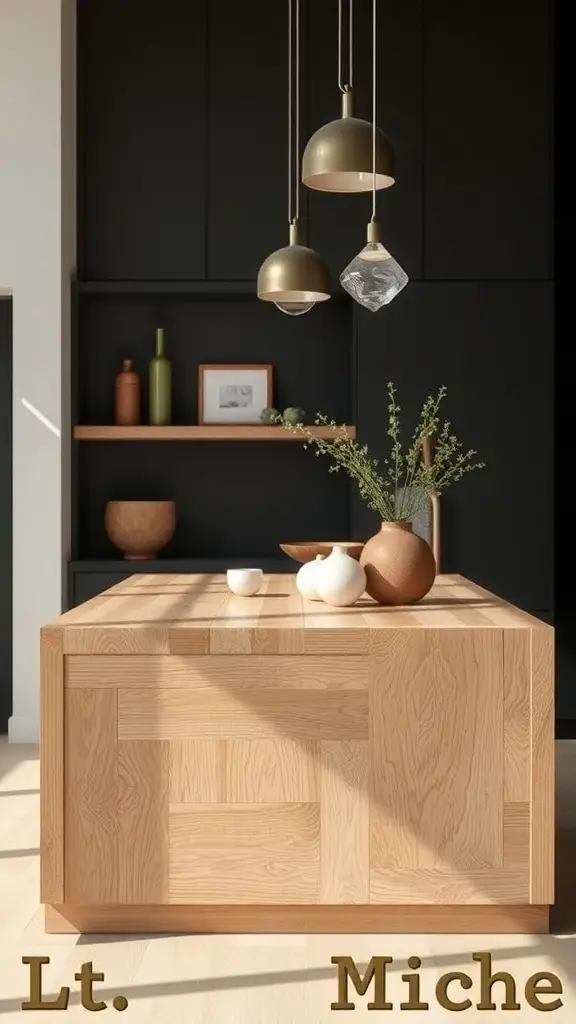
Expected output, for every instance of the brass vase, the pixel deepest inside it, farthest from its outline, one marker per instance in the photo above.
(400, 567)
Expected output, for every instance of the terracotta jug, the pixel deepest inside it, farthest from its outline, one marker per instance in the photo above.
(399, 565)
(127, 397)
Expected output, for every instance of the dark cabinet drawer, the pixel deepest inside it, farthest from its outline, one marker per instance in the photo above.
(89, 584)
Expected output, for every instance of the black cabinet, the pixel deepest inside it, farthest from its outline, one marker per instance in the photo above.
(487, 139)
(142, 137)
(247, 140)
(182, 161)
(86, 585)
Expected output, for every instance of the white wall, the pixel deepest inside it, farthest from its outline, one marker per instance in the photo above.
(37, 69)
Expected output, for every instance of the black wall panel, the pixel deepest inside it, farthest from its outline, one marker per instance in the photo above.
(490, 344)
(311, 355)
(487, 139)
(247, 109)
(142, 133)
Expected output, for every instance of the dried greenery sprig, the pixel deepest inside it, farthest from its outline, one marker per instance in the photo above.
(404, 487)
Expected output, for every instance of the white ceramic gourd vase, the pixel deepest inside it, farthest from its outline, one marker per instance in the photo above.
(306, 578)
(340, 579)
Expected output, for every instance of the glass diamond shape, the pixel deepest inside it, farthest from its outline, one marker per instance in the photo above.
(373, 278)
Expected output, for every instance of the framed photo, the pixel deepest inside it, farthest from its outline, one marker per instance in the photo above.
(233, 393)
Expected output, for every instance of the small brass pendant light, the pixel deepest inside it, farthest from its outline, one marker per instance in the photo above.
(373, 278)
(294, 278)
(338, 157)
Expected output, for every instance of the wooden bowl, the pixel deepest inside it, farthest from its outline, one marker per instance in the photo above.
(306, 550)
(140, 528)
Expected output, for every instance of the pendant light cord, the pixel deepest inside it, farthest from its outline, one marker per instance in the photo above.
(346, 86)
(373, 109)
(290, 111)
(293, 114)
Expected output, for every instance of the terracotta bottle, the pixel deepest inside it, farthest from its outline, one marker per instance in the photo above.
(127, 397)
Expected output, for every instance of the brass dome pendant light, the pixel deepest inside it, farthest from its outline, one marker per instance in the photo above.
(338, 157)
(373, 278)
(294, 278)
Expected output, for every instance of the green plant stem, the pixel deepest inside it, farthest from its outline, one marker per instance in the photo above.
(381, 493)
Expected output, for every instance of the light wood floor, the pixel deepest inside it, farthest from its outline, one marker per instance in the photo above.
(250, 979)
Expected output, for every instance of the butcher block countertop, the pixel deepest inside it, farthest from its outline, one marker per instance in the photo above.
(155, 614)
(221, 763)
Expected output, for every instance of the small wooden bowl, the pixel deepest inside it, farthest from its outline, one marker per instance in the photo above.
(140, 529)
(306, 550)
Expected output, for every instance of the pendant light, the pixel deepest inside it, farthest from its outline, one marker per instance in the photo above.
(373, 278)
(338, 157)
(293, 278)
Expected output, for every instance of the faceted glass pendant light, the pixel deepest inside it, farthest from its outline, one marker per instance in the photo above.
(373, 278)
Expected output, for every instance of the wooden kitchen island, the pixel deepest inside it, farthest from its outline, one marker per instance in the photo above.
(222, 764)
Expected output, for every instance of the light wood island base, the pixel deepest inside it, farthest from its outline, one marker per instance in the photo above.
(348, 920)
(211, 763)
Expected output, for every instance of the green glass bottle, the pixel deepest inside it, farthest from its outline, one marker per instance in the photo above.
(160, 378)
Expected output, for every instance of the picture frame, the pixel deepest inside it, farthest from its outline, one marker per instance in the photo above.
(233, 393)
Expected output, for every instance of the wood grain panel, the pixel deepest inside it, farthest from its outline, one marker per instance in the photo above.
(349, 920)
(142, 812)
(428, 886)
(197, 771)
(91, 797)
(160, 614)
(542, 780)
(516, 823)
(436, 769)
(203, 432)
(51, 766)
(251, 854)
(106, 639)
(516, 715)
(271, 771)
(306, 714)
(219, 671)
(269, 623)
(345, 823)
(318, 641)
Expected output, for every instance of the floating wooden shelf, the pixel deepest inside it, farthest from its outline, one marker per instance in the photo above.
(199, 433)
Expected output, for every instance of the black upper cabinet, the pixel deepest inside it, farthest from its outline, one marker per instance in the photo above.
(487, 126)
(491, 344)
(337, 223)
(142, 135)
(247, 104)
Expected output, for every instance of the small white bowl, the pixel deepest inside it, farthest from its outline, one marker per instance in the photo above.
(244, 582)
